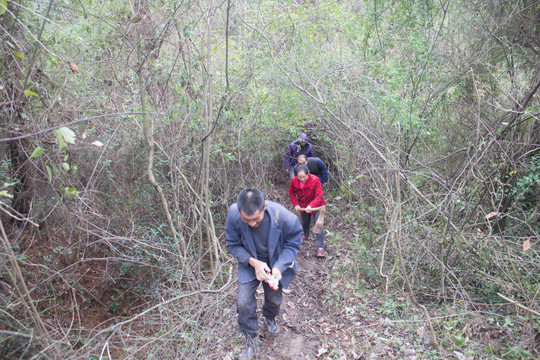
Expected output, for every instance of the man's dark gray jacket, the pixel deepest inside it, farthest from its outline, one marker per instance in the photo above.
(284, 241)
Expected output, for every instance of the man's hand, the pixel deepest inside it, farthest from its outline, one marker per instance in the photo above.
(308, 209)
(261, 269)
(297, 208)
(273, 281)
(276, 274)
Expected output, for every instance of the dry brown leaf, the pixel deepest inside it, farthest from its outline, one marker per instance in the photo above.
(73, 66)
(526, 244)
(291, 305)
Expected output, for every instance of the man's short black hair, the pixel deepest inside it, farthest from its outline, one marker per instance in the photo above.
(250, 200)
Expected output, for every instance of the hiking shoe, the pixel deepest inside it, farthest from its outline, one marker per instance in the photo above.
(320, 252)
(271, 326)
(251, 349)
(286, 291)
(305, 238)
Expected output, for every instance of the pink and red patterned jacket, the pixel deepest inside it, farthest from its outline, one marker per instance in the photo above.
(309, 195)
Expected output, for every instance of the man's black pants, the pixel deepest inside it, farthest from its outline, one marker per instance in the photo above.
(247, 305)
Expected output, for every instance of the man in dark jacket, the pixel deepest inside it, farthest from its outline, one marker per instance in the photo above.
(316, 167)
(265, 238)
(298, 147)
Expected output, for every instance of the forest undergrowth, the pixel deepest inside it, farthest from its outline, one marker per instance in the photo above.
(339, 307)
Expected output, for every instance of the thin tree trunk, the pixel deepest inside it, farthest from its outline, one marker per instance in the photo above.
(206, 146)
(148, 127)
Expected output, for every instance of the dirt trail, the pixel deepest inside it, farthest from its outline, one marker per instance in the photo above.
(307, 321)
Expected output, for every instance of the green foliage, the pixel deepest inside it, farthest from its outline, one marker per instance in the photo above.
(30, 93)
(517, 353)
(38, 151)
(71, 191)
(390, 308)
(527, 186)
(65, 135)
(3, 7)
(518, 193)
(4, 192)
(115, 302)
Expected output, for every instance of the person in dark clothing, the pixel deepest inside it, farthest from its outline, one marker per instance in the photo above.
(298, 147)
(316, 167)
(265, 238)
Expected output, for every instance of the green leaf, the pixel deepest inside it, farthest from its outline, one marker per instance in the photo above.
(37, 152)
(71, 191)
(67, 134)
(9, 184)
(49, 172)
(30, 93)
(3, 7)
(5, 193)
(65, 165)
(20, 56)
(508, 321)
(61, 142)
(53, 61)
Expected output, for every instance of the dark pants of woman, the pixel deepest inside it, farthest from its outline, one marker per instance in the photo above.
(247, 305)
(306, 223)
